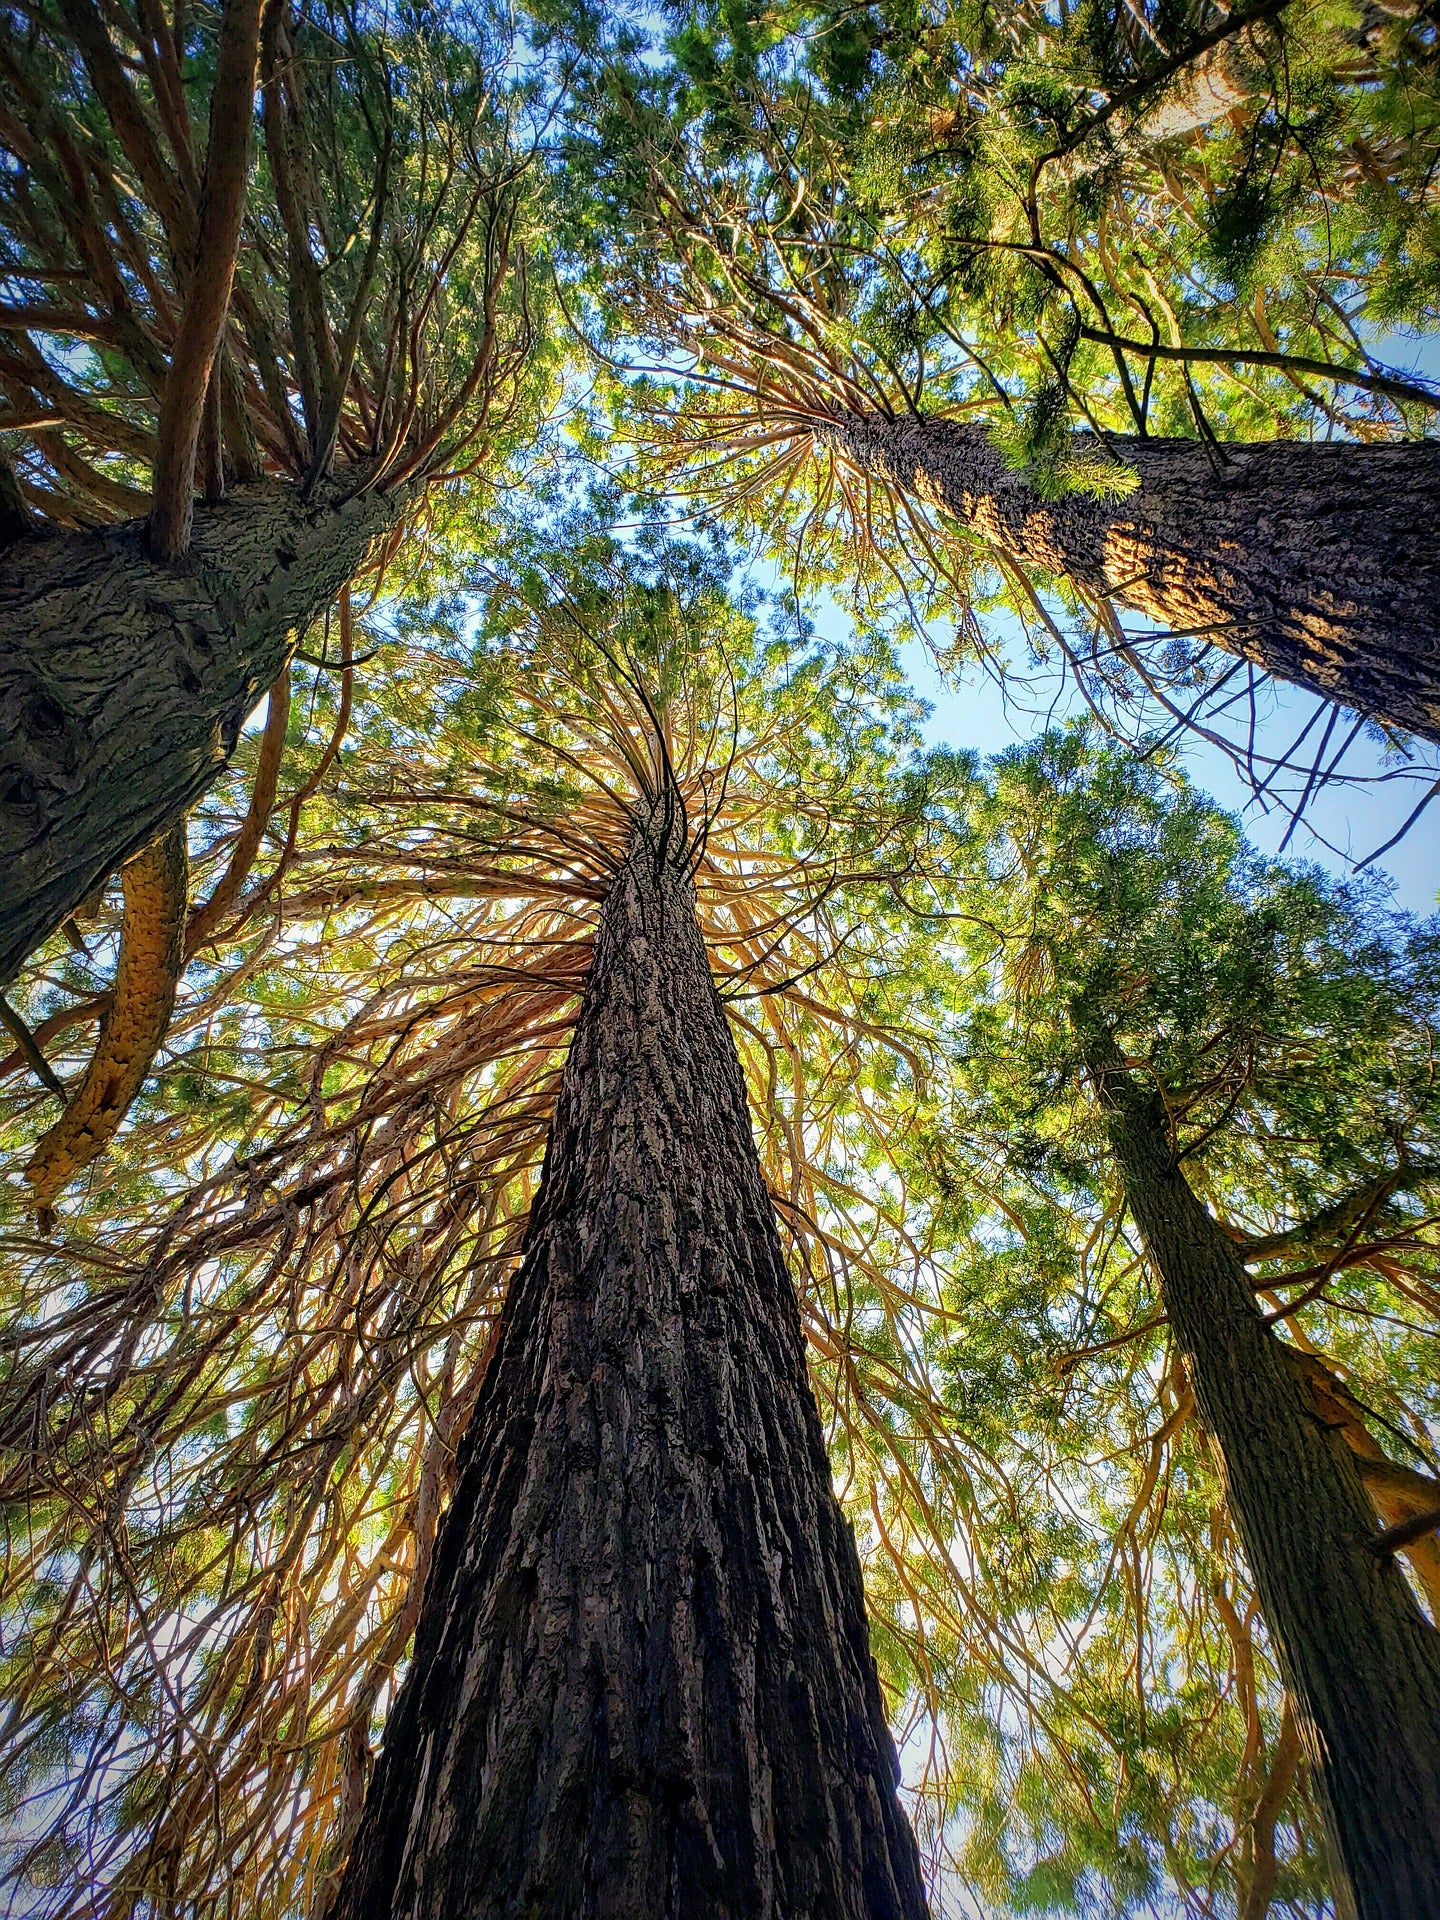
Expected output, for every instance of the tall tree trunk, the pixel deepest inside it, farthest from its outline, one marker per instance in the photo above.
(1359, 1657)
(1318, 562)
(642, 1683)
(124, 682)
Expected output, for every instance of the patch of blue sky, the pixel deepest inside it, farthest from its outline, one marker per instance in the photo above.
(1342, 825)
(1403, 350)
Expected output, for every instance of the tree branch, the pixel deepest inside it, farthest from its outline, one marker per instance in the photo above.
(29, 1047)
(207, 300)
(1406, 1532)
(1389, 384)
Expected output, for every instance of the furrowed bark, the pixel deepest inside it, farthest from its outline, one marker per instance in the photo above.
(152, 958)
(1397, 1492)
(1360, 1660)
(642, 1682)
(124, 683)
(1317, 562)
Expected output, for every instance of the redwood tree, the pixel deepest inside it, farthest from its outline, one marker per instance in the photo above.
(1310, 560)
(307, 349)
(1360, 1658)
(361, 1172)
(1234, 1025)
(998, 291)
(642, 1681)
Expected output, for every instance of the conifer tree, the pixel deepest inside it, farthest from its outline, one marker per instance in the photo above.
(955, 276)
(306, 329)
(1185, 986)
(234, 1401)
(608, 1080)
(642, 1681)
(343, 1274)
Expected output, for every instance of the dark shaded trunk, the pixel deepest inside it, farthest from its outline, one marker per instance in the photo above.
(124, 682)
(1316, 561)
(642, 1683)
(1359, 1657)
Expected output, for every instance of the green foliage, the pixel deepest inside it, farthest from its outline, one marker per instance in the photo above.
(1290, 1025)
(283, 1276)
(771, 217)
(1039, 443)
(380, 305)
(271, 1302)
(234, 1381)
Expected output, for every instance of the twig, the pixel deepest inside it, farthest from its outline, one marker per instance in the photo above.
(26, 1041)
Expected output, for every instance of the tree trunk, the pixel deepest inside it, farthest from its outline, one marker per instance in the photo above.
(124, 682)
(1316, 561)
(642, 1683)
(1359, 1657)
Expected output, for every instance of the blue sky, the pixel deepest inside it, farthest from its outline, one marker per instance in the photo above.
(1340, 827)
(1353, 821)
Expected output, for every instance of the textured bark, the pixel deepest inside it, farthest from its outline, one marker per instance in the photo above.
(1397, 1493)
(642, 1683)
(1360, 1660)
(124, 682)
(1317, 562)
(152, 958)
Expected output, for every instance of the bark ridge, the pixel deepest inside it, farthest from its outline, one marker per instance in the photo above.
(1313, 560)
(124, 682)
(642, 1683)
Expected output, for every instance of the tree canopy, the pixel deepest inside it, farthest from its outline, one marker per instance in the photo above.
(592, 304)
(821, 221)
